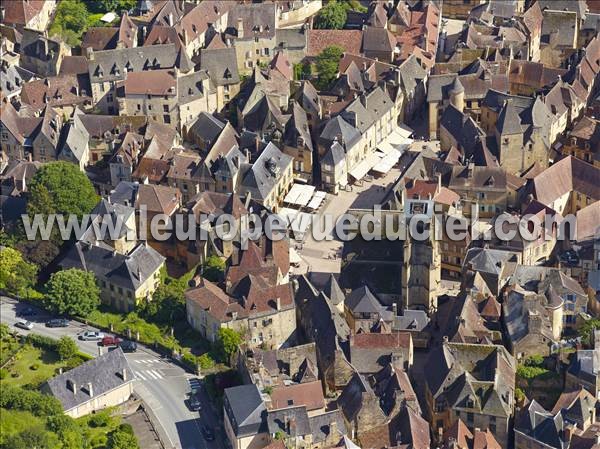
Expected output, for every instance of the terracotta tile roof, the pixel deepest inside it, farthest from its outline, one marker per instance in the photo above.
(20, 12)
(159, 199)
(485, 440)
(588, 221)
(446, 196)
(151, 82)
(281, 63)
(460, 433)
(309, 394)
(393, 340)
(163, 35)
(55, 91)
(349, 40)
(533, 74)
(74, 65)
(201, 17)
(100, 38)
(567, 175)
(155, 170)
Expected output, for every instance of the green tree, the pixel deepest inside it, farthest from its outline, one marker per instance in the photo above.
(228, 342)
(213, 268)
(70, 21)
(66, 347)
(116, 5)
(61, 188)
(328, 63)
(121, 439)
(332, 16)
(16, 275)
(32, 438)
(73, 292)
(585, 331)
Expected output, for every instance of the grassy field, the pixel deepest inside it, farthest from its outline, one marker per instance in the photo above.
(32, 367)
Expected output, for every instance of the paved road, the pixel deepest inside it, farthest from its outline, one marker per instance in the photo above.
(161, 384)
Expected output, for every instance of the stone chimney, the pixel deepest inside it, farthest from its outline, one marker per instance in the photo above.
(240, 28)
(71, 385)
(90, 389)
(124, 374)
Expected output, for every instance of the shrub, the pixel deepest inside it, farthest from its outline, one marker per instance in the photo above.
(66, 347)
(206, 361)
(29, 401)
(42, 342)
(35, 367)
(3, 373)
(100, 419)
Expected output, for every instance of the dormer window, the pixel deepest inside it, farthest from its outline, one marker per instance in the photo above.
(128, 67)
(99, 72)
(115, 70)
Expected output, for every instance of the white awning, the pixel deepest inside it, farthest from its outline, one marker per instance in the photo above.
(299, 195)
(299, 222)
(385, 147)
(363, 167)
(316, 200)
(295, 258)
(386, 163)
(404, 130)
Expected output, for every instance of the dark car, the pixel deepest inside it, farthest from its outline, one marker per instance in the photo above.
(569, 257)
(194, 403)
(128, 346)
(27, 311)
(57, 322)
(208, 433)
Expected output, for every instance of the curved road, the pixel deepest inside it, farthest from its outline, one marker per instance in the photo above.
(161, 384)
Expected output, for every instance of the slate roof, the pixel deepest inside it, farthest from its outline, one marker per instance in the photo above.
(258, 19)
(370, 352)
(297, 127)
(221, 65)
(112, 65)
(207, 127)
(246, 410)
(457, 370)
(462, 128)
(291, 421)
(361, 300)
(340, 129)
(411, 320)
(262, 177)
(334, 156)
(375, 39)
(541, 425)
(561, 24)
(105, 373)
(365, 110)
(76, 137)
(13, 78)
(128, 271)
(333, 291)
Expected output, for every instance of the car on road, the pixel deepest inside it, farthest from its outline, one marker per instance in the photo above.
(27, 311)
(27, 325)
(109, 340)
(128, 345)
(208, 433)
(57, 322)
(569, 257)
(194, 403)
(91, 336)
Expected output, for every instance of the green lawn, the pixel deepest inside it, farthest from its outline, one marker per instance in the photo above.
(33, 366)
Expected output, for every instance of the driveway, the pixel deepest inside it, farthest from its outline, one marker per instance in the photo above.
(161, 384)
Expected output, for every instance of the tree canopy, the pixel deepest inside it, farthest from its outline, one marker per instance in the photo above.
(228, 342)
(66, 347)
(61, 188)
(73, 292)
(214, 268)
(332, 16)
(328, 63)
(70, 21)
(16, 275)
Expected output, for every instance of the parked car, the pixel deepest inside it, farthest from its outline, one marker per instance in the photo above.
(208, 433)
(91, 336)
(57, 322)
(569, 257)
(109, 340)
(27, 325)
(194, 403)
(128, 345)
(27, 311)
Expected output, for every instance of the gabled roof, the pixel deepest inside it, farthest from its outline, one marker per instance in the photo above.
(262, 176)
(361, 300)
(105, 373)
(246, 409)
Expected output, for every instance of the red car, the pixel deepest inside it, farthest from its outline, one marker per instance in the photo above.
(110, 341)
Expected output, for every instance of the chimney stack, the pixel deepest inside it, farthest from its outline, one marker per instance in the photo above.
(71, 385)
(124, 374)
(90, 389)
